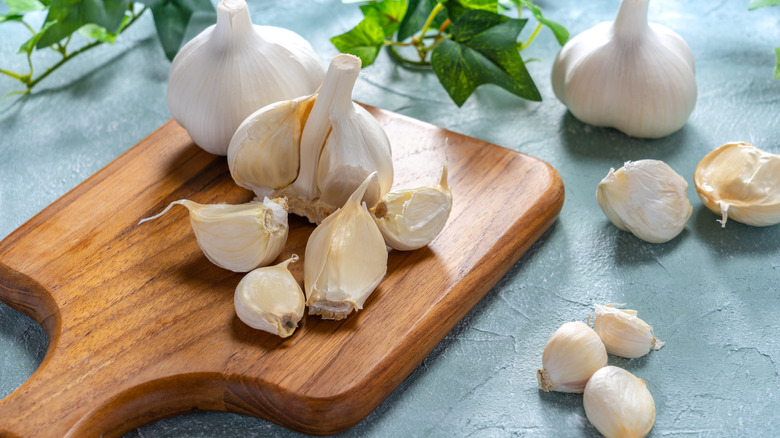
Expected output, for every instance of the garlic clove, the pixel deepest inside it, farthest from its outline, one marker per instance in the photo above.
(630, 75)
(647, 198)
(740, 181)
(238, 237)
(346, 258)
(623, 333)
(411, 218)
(572, 354)
(618, 403)
(270, 299)
(233, 68)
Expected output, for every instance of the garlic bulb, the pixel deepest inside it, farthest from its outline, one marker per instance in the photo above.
(238, 237)
(411, 218)
(270, 299)
(742, 182)
(233, 68)
(346, 258)
(572, 354)
(647, 198)
(619, 404)
(623, 333)
(627, 74)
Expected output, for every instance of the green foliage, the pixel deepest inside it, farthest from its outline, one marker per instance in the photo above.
(777, 66)
(755, 4)
(171, 18)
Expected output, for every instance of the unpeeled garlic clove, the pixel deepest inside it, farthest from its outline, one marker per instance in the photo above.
(741, 182)
(238, 237)
(646, 198)
(572, 354)
(270, 299)
(618, 403)
(345, 260)
(623, 333)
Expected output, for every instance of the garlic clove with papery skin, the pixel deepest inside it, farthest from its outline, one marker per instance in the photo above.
(623, 333)
(572, 354)
(741, 182)
(618, 403)
(232, 69)
(635, 76)
(647, 198)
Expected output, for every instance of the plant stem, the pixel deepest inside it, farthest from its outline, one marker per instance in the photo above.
(531, 38)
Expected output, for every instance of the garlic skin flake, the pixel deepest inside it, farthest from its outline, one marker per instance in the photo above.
(741, 182)
(411, 218)
(623, 333)
(345, 260)
(635, 76)
(270, 299)
(233, 68)
(241, 237)
(646, 198)
(572, 354)
(618, 403)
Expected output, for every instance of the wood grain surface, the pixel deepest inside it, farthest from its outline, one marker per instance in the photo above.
(142, 326)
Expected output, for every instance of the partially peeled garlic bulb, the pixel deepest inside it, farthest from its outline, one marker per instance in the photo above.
(646, 198)
(618, 403)
(270, 299)
(627, 74)
(238, 237)
(345, 260)
(741, 182)
(233, 68)
(572, 354)
(411, 218)
(623, 333)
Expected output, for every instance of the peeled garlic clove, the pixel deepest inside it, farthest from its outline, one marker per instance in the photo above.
(623, 333)
(233, 68)
(619, 404)
(572, 354)
(741, 182)
(270, 299)
(411, 218)
(647, 198)
(238, 237)
(628, 74)
(346, 258)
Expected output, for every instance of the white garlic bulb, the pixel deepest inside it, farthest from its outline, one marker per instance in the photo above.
(233, 68)
(742, 182)
(623, 333)
(618, 403)
(411, 218)
(647, 198)
(270, 299)
(628, 74)
(238, 237)
(345, 260)
(572, 354)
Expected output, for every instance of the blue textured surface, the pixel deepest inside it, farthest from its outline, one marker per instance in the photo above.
(712, 294)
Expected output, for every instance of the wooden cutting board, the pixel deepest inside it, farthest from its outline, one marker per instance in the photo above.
(141, 326)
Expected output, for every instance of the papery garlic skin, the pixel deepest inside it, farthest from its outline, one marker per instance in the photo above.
(623, 333)
(618, 403)
(572, 354)
(345, 260)
(741, 182)
(630, 75)
(233, 68)
(270, 299)
(647, 198)
(238, 237)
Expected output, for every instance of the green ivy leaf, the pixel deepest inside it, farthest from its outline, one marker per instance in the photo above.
(755, 4)
(777, 67)
(70, 15)
(417, 13)
(30, 44)
(100, 33)
(172, 18)
(22, 6)
(483, 50)
(364, 40)
(560, 32)
(456, 8)
(388, 13)
(10, 17)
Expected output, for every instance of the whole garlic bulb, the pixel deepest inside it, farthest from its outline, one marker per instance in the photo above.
(233, 68)
(635, 76)
(623, 333)
(742, 182)
(618, 403)
(647, 198)
(572, 354)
